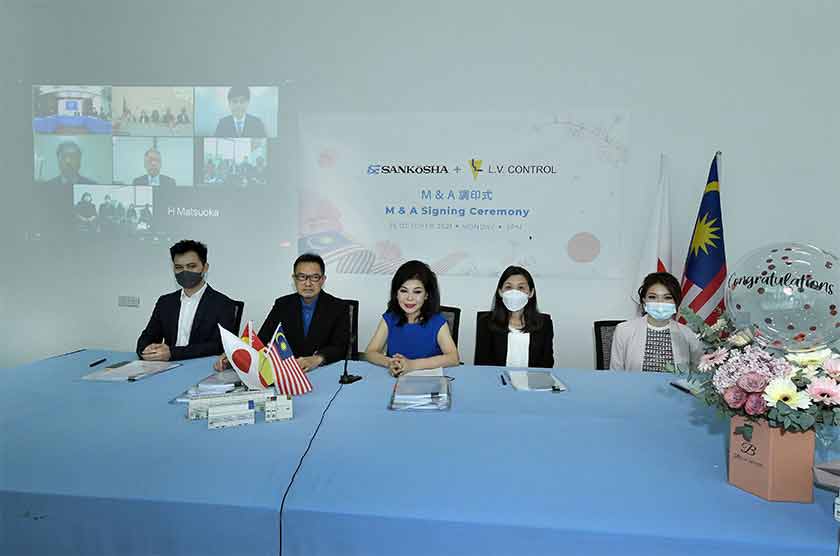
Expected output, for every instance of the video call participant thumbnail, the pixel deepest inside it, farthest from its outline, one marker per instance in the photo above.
(69, 163)
(152, 161)
(185, 323)
(240, 123)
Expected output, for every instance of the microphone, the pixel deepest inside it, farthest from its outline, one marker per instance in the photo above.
(345, 377)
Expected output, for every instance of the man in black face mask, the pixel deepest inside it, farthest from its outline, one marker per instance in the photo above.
(184, 323)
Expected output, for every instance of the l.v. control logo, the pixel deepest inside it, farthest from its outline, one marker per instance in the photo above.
(475, 167)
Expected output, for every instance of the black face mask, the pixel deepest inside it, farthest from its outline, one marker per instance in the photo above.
(187, 279)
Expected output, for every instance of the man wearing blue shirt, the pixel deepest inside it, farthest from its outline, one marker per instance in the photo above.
(316, 324)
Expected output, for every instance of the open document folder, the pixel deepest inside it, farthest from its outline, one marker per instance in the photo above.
(535, 380)
(421, 393)
(827, 475)
(130, 371)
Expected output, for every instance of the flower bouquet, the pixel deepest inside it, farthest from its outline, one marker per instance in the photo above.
(775, 402)
(795, 392)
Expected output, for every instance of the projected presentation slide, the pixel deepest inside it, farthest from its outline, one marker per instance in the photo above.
(113, 209)
(67, 160)
(468, 192)
(239, 162)
(236, 111)
(155, 161)
(71, 109)
(153, 111)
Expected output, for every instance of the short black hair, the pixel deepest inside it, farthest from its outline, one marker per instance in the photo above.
(67, 145)
(310, 258)
(239, 91)
(186, 245)
(415, 270)
(664, 278)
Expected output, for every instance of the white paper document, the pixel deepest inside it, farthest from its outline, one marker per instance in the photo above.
(535, 381)
(420, 393)
(130, 371)
(437, 371)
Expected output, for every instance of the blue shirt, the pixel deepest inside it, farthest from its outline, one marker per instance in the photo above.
(414, 341)
(306, 311)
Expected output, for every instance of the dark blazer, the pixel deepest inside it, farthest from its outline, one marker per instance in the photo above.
(165, 181)
(215, 308)
(491, 346)
(253, 128)
(329, 331)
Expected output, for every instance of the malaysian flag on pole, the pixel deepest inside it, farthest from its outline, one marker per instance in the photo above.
(289, 378)
(704, 274)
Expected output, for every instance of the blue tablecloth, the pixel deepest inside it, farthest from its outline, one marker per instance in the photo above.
(113, 468)
(622, 463)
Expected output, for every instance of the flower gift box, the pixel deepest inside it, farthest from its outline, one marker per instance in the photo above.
(778, 402)
(770, 462)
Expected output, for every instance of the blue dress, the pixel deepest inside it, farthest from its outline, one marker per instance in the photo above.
(414, 341)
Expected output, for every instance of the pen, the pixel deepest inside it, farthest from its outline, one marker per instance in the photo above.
(68, 353)
(97, 362)
(681, 387)
(502, 378)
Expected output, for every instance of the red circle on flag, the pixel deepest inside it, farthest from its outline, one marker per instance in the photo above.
(242, 360)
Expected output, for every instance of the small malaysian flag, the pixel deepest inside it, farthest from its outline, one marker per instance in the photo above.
(289, 378)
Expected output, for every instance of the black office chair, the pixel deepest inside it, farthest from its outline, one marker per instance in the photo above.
(353, 310)
(238, 309)
(604, 330)
(453, 319)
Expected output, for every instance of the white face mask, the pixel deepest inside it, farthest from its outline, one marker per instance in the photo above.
(514, 300)
(660, 311)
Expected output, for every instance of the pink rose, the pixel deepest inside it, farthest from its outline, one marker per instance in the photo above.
(832, 367)
(755, 404)
(735, 397)
(753, 382)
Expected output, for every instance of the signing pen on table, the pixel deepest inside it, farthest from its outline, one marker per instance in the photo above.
(97, 362)
(681, 387)
(502, 378)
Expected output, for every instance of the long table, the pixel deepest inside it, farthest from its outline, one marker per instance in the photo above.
(113, 468)
(621, 463)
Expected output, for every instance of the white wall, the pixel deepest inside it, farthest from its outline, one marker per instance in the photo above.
(756, 80)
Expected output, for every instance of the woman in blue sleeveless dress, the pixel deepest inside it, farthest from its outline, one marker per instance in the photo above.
(412, 334)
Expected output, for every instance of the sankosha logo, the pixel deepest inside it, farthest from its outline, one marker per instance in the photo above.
(375, 169)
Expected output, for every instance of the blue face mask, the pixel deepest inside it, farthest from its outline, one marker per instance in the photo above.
(660, 311)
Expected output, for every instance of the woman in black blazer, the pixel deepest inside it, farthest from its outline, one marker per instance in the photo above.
(514, 333)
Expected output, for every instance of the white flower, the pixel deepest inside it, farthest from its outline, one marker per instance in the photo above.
(783, 389)
(719, 324)
(740, 338)
(809, 372)
(805, 359)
